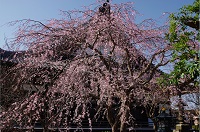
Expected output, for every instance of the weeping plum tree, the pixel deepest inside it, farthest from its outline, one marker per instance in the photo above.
(90, 58)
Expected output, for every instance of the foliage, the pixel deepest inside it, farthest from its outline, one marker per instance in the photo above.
(87, 61)
(184, 37)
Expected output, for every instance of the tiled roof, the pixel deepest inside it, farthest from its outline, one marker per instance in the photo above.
(6, 55)
(11, 57)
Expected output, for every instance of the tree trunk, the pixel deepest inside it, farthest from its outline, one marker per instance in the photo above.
(123, 125)
(45, 129)
(125, 114)
(118, 120)
(113, 119)
(155, 127)
(115, 128)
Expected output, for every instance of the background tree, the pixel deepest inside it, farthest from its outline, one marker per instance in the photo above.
(86, 59)
(184, 37)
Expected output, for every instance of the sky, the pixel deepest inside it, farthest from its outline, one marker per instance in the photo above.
(42, 10)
